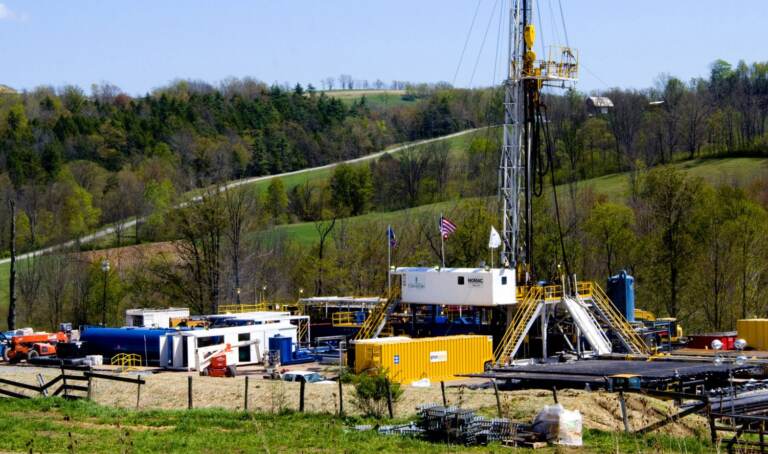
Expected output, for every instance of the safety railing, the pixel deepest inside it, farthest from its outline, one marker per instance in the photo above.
(344, 319)
(378, 316)
(126, 361)
(518, 327)
(618, 322)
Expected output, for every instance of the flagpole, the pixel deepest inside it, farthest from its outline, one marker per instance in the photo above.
(442, 241)
(389, 260)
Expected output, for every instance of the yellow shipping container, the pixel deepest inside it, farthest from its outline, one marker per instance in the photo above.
(754, 331)
(435, 358)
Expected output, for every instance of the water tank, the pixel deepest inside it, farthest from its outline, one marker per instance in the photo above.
(621, 290)
(281, 344)
(108, 342)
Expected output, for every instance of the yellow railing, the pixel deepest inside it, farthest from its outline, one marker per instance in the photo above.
(618, 322)
(260, 307)
(344, 319)
(377, 316)
(126, 361)
(516, 330)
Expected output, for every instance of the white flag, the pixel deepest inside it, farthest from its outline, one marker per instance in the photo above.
(495, 240)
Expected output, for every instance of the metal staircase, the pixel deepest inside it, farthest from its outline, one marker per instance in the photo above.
(377, 319)
(621, 328)
(589, 326)
(527, 310)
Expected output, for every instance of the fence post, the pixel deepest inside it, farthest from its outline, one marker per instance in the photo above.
(138, 392)
(64, 381)
(389, 400)
(442, 390)
(189, 392)
(301, 395)
(245, 400)
(554, 394)
(624, 416)
(498, 401)
(341, 398)
(90, 383)
(41, 382)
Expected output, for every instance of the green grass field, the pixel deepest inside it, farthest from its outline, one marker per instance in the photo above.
(715, 171)
(374, 98)
(56, 425)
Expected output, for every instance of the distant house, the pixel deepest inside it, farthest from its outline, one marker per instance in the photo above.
(599, 105)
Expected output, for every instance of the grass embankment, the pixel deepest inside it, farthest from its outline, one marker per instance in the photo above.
(56, 425)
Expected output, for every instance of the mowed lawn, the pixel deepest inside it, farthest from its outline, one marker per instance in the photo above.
(56, 425)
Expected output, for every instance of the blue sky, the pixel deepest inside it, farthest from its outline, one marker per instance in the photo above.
(139, 45)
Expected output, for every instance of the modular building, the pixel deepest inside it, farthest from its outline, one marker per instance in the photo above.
(244, 344)
(435, 358)
(457, 286)
(154, 318)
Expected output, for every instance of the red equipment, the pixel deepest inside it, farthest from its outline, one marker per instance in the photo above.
(219, 368)
(32, 345)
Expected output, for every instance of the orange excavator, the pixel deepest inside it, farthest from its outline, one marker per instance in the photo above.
(32, 345)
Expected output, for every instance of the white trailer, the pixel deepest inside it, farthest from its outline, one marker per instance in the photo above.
(458, 286)
(154, 318)
(191, 349)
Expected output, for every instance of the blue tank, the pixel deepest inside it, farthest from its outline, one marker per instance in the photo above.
(621, 290)
(281, 344)
(108, 342)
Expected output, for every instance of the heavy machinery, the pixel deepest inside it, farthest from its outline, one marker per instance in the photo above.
(218, 367)
(29, 346)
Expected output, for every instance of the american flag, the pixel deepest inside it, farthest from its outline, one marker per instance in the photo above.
(446, 227)
(391, 237)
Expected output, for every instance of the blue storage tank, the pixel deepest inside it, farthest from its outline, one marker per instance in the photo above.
(281, 344)
(621, 290)
(108, 342)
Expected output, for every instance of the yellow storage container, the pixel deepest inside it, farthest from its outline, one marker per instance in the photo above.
(754, 331)
(436, 358)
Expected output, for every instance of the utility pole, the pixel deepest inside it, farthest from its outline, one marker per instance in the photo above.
(12, 279)
(105, 270)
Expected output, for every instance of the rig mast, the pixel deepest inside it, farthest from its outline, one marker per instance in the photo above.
(526, 77)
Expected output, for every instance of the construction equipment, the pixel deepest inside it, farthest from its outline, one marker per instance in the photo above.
(218, 367)
(32, 345)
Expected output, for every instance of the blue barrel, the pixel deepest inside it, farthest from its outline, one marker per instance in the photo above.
(108, 342)
(621, 290)
(360, 317)
(281, 344)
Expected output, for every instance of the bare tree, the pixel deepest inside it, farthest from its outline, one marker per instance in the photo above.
(323, 228)
(237, 205)
(12, 276)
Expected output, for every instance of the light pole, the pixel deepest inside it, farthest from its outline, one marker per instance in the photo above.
(739, 345)
(238, 295)
(105, 271)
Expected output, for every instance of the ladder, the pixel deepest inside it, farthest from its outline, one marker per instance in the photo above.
(588, 325)
(527, 311)
(376, 320)
(623, 330)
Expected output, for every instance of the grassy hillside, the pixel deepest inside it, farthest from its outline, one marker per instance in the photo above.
(457, 146)
(714, 171)
(374, 98)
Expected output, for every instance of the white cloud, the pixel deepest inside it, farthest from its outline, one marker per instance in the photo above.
(7, 14)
